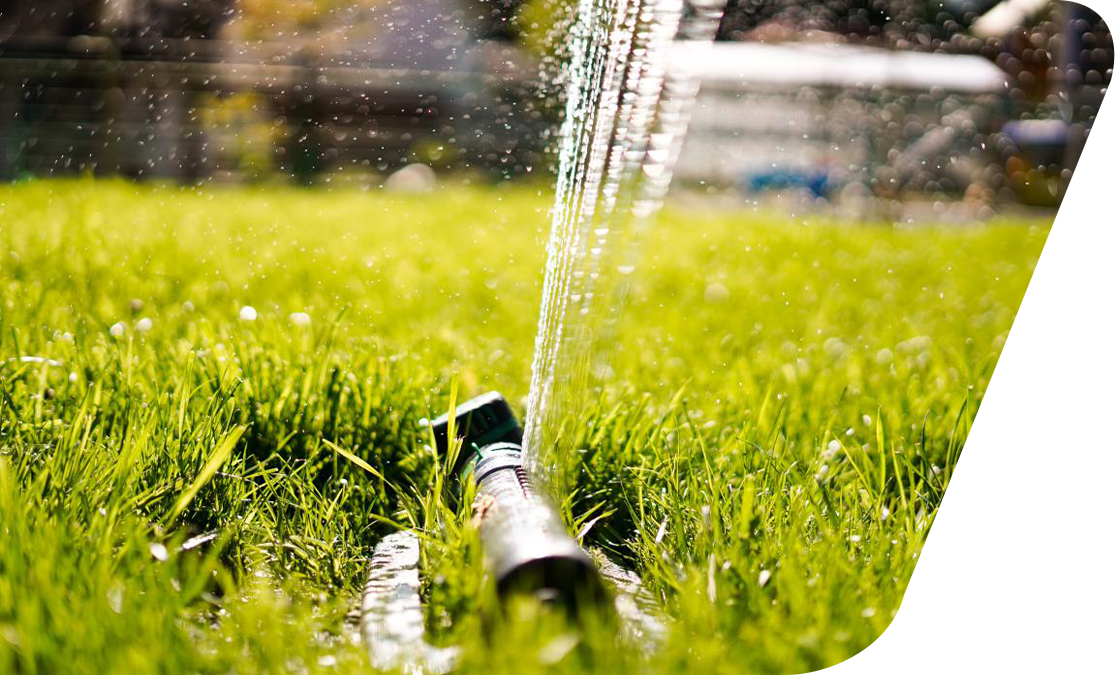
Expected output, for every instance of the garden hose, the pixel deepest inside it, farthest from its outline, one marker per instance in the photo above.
(526, 546)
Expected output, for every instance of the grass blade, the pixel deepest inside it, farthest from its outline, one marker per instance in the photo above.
(220, 456)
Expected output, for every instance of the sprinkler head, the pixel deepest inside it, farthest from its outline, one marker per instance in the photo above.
(482, 421)
(525, 542)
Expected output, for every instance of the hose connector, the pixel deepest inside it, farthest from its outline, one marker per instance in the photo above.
(526, 546)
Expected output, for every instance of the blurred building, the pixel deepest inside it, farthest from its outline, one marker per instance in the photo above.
(838, 120)
(847, 100)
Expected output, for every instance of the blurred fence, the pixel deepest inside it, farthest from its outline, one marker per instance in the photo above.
(145, 88)
(188, 109)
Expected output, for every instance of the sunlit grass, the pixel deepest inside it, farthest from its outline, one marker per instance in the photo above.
(184, 376)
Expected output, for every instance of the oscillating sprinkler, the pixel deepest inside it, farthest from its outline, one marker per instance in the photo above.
(526, 546)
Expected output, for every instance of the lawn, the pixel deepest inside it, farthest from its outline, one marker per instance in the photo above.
(786, 405)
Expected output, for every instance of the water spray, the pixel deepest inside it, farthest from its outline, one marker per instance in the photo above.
(625, 117)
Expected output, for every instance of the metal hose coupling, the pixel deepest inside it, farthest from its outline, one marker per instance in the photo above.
(526, 546)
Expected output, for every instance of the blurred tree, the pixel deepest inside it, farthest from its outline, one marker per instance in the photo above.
(906, 24)
(270, 19)
(120, 18)
(540, 22)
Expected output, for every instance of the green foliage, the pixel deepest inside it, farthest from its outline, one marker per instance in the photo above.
(541, 24)
(280, 19)
(186, 488)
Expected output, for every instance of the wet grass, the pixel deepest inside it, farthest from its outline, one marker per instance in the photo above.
(786, 406)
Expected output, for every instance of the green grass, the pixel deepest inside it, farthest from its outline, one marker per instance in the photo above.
(788, 403)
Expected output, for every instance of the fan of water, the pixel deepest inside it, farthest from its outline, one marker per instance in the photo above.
(625, 118)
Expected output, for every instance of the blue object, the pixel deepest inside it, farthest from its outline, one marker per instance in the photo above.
(816, 181)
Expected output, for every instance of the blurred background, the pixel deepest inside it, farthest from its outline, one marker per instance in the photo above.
(895, 109)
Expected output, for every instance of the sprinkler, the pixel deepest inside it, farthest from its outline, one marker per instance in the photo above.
(526, 549)
(526, 546)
